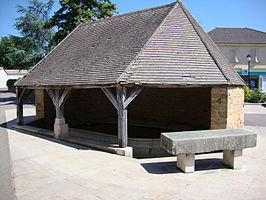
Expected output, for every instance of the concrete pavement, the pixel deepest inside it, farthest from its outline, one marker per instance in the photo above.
(255, 114)
(7, 103)
(46, 168)
(7, 189)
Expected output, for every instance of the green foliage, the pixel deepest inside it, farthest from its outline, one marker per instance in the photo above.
(5, 45)
(74, 12)
(25, 51)
(10, 84)
(31, 24)
(254, 96)
(247, 93)
(17, 53)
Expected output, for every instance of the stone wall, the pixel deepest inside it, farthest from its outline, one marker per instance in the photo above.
(227, 109)
(175, 106)
(235, 117)
(39, 103)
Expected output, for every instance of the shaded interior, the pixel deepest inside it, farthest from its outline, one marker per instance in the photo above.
(153, 111)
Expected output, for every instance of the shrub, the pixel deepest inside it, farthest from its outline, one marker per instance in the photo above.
(247, 94)
(254, 96)
(10, 84)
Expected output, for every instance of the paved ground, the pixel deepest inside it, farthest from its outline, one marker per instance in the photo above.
(7, 189)
(7, 103)
(255, 115)
(46, 169)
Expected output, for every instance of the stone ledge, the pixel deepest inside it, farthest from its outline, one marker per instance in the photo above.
(32, 129)
(207, 140)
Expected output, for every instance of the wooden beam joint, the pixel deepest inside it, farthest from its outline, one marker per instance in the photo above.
(127, 99)
(121, 102)
(59, 98)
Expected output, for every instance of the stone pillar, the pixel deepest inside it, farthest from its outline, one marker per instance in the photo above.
(186, 162)
(235, 116)
(60, 128)
(227, 107)
(233, 158)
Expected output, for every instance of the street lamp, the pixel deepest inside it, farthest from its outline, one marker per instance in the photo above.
(249, 60)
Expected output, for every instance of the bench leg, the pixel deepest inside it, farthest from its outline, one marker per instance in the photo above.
(232, 158)
(186, 162)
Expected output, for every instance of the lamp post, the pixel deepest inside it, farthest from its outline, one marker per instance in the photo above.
(249, 60)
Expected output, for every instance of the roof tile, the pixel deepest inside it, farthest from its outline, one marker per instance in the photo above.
(237, 36)
(162, 45)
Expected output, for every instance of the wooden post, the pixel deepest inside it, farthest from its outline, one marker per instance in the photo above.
(121, 93)
(121, 103)
(58, 98)
(19, 106)
(59, 110)
(21, 94)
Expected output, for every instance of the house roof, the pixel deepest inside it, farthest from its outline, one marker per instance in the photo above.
(157, 46)
(16, 72)
(237, 36)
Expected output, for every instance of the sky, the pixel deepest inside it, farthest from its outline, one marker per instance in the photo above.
(209, 13)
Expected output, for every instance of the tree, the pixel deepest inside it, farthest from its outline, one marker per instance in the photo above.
(31, 24)
(74, 12)
(5, 43)
(17, 53)
(25, 51)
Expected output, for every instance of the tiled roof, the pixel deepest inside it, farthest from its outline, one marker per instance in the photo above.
(156, 46)
(237, 36)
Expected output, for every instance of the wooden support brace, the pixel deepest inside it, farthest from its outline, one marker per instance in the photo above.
(133, 94)
(21, 94)
(64, 97)
(110, 96)
(51, 95)
(59, 98)
(121, 102)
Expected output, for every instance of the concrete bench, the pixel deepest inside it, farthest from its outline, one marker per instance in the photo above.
(186, 144)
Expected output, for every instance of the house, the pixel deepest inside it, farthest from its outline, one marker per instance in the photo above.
(133, 76)
(6, 74)
(236, 44)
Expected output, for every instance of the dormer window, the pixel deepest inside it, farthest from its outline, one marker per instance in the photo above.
(255, 55)
(234, 56)
(256, 60)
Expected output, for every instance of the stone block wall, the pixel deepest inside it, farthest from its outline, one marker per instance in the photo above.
(184, 106)
(227, 109)
(235, 117)
(39, 103)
